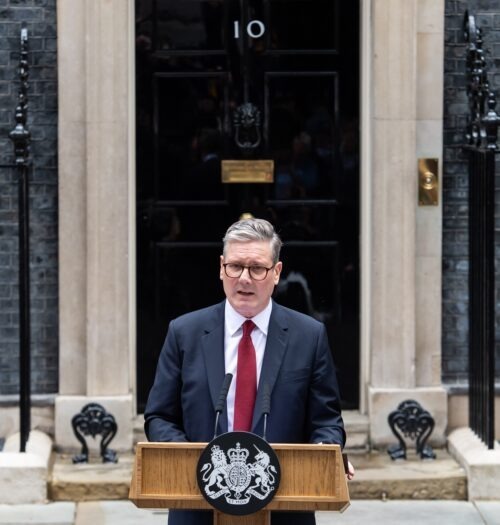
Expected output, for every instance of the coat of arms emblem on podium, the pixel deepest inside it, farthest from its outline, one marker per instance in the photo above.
(239, 475)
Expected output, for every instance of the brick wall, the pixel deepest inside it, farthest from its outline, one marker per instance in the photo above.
(40, 17)
(455, 179)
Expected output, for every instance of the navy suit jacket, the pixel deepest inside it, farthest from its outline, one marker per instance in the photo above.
(297, 366)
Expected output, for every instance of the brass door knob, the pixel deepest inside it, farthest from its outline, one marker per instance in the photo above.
(428, 187)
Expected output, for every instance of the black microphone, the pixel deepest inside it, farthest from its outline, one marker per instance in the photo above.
(266, 407)
(219, 408)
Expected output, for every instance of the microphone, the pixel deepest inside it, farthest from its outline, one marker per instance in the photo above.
(219, 408)
(266, 407)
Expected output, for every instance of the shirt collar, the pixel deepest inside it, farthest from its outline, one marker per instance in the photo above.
(234, 320)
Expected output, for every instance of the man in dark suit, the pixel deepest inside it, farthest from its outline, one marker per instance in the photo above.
(290, 354)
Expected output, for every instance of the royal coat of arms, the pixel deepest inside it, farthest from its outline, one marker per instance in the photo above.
(241, 476)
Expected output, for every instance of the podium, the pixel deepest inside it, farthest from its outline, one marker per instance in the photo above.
(312, 478)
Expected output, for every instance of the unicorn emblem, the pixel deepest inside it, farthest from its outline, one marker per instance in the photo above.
(263, 473)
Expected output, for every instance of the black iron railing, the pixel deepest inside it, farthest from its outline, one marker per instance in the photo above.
(482, 147)
(20, 137)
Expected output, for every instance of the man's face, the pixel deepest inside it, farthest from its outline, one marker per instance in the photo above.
(246, 295)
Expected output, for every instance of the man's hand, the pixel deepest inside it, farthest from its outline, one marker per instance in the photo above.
(350, 471)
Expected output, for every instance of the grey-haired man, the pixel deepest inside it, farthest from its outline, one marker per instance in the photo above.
(292, 357)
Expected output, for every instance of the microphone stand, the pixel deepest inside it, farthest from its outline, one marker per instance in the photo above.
(266, 408)
(222, 400)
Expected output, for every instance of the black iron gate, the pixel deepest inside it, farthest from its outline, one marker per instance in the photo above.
(482, 149)
(20, 137)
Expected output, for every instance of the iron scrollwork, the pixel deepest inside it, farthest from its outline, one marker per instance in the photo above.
(93, 420)
(412, 421)
(483, 120)
(247, 122)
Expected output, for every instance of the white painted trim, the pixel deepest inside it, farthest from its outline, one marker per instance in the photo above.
(365, 199)
(132, 233)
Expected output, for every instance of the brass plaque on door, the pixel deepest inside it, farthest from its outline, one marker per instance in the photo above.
(247, 171)
(428, 187)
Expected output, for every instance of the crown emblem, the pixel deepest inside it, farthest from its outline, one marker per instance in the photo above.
(238, 455)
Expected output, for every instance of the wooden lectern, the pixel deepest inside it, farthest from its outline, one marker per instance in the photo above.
(312, 478)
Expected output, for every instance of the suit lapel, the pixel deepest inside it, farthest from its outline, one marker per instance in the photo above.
(213, 353)
(276, 345)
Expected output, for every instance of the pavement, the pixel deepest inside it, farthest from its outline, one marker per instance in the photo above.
(366, 512)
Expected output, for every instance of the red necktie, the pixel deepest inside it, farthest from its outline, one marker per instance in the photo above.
(246, 380)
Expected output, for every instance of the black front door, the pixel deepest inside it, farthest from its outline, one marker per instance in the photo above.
(247, 80)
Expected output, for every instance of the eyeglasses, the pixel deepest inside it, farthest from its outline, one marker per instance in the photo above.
(257, 273)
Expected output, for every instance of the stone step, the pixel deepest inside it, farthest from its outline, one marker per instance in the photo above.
(377, 477)
(91, 481)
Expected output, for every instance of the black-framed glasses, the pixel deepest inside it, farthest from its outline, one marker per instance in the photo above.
(257, 273)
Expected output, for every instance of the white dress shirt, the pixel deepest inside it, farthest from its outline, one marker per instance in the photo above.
(233, 331)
